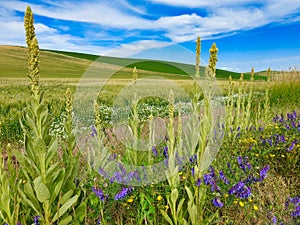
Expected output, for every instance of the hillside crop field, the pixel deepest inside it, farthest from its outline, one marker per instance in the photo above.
(156, 145)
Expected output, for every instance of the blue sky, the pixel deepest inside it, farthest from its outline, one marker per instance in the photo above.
(257, 34)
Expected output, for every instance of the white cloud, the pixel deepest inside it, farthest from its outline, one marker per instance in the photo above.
(129, 50)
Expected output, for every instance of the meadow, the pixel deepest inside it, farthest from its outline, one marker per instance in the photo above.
(205, 146)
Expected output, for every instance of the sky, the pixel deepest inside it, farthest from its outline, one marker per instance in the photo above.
(259, 34)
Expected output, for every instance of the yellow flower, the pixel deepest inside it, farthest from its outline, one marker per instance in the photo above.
(242, 204)
(130, 200)
(235, 202)
(272, 155)
(159, 198)
(226, 195)
(276, 127)
(250, 200)
(24, 181)
(255, 207)
(166, 207)
(180, 173)
(282, 156)
(256, 155)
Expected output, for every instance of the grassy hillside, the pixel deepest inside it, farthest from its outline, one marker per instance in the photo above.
(61, 64)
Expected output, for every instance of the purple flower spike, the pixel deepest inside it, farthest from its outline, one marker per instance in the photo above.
(198, 182)
(263, 173)
(217, 202)
(36, 220)
(222, 176)
(122, 194)
(99, 193)
(154, 151)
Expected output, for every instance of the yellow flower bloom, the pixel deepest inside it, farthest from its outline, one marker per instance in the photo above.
(282, 156)
(130, 200)
(242, 204)
(159, 198)
(256, 155)
(272, 155)
(166, 207)
(255, 207)
(250, 200)
(226, 195)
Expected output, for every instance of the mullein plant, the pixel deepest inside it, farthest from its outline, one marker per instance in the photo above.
(197, 192)
(9, 183)
(191, 211)
(49, 191)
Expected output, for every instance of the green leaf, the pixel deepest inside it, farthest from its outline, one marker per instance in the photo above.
(28, 191)
(39, 146)
(81, 211)
(65, 220)
(58, 184)
(52, 150)
(180, 205)
(41, 190)
(167, 218)
(66, 197)
(174, 195)
(65, 207)
(191, 196)
(50, 172)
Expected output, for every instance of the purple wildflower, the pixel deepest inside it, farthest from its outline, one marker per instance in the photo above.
(292, 146)
(154, 151)
(236, 188)
(94, 131)
(214, 186)
(223, 177)
(36, 220)
(263, 173)
(193, 171)
(122, 194)
(296, 213)
(207, 179)
(274, 219)
(166, 154)
(198, 182)
(217, 202)
(99, 193)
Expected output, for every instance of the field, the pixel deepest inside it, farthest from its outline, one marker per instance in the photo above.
(156, 145)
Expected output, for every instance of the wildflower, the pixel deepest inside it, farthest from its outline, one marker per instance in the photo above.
(292, 146)
(94, 131)
(99, 193)
(255, 207)
(198, 182)
(159, 198)
(263, 172)
(296, 213)
(122, 194)
(193, 171)
(207, 179)
(217, 202)
(130, 200)
(242, 204)
(222, 176)
(154, 151)
(166, 154)
(36, 220)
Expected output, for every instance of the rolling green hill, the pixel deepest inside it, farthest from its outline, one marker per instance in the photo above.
(61, 64)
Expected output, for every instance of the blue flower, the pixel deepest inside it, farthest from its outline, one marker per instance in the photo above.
(222, 176)
(154, 151)
(263, 173)
(122, 194)
(166, 152)
(94, 131)
(217, 202)
(99, 193)
(198, 182)
(36, 220)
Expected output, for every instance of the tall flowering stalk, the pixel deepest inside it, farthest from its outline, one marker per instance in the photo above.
(48, 179)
